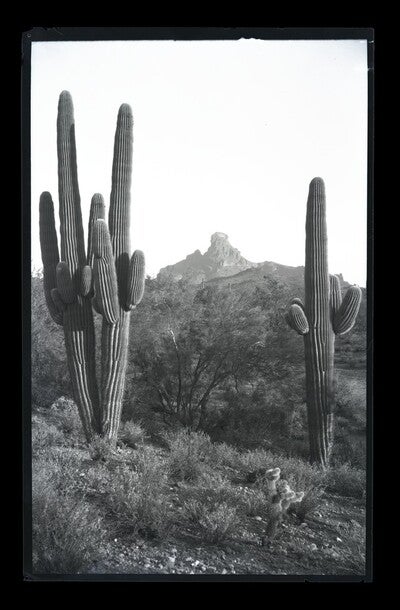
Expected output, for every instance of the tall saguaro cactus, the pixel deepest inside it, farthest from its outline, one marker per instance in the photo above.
(103, 277)
(323, 316)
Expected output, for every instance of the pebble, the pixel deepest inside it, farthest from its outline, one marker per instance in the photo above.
(258, 518)
(313, 547)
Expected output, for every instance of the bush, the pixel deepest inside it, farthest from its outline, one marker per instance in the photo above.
(100, 449)
(131, 434)
(300, 474)
(254, 501)
(45, 436)
(225, 455)
(188, 453)
(136, 500)
(310, 503)
(346, 481)
(65, 416)
(66, 533)
(216, 523)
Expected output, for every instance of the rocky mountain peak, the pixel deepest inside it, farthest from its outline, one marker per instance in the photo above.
(220, 260)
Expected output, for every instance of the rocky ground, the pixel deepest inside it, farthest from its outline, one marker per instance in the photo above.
(329, 540)
(317, 546)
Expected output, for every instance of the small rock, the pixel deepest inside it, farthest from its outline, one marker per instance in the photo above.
(313, 547)
(224, 571)
(303, 524)
(339, 539)
(258, 518)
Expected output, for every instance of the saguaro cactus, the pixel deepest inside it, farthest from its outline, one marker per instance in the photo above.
(322, 316)
(103, 277)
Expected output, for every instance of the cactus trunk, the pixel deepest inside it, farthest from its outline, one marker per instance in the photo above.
(319, 341)
(104, 277)
(115, 334)
(78, 317)
(323, 316)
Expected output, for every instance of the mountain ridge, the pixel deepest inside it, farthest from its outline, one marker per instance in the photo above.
(222, 261)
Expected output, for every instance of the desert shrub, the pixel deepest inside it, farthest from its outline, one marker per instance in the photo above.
(66, 532)
(215, 523)
(254, 501)
(310, 503)
(100, 449)
(346, 481)
(300, 474)
(136, 499)
(252, 461)
(45, 436)
(225, 455)
(65, 415)
(188, 452)
(49, 373)
(131, 434)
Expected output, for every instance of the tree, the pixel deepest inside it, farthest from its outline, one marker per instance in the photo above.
(190, 343)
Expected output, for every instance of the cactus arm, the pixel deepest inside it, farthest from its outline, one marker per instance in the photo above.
(119, 212)
(136, 280)
(298, 302)
(95, 305)
(297, 319)
(65, 285)
(105, 277)
(97, 211)
(50, 253)
(58, 302)
(115, 336)
(86, 281)
(335, 295)
(78, 316)
(346, 315)
(71, 228)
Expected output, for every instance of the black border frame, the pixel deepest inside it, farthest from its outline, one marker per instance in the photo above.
(183, 33)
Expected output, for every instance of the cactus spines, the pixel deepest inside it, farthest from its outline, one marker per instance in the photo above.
(326, 315)
(102, 277)
(136, 279)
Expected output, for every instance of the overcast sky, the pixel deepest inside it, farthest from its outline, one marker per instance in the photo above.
(227, 136)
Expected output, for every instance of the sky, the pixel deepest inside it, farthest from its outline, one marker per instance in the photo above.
(227, 137)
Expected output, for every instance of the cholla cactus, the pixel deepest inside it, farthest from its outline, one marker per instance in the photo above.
(271, 478)
(323, 316)
(104, 276)
(280, 500)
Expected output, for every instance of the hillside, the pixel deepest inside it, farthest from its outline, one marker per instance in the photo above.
(223, 265)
